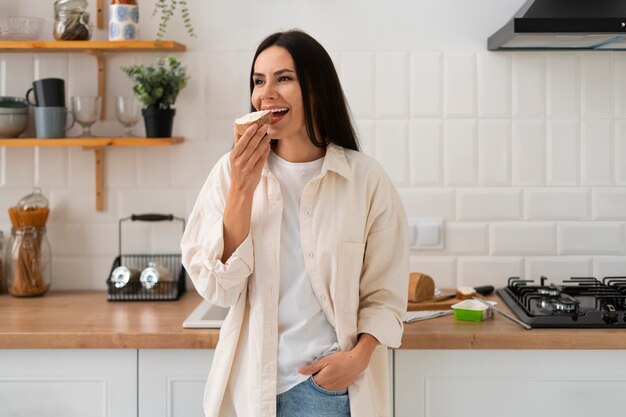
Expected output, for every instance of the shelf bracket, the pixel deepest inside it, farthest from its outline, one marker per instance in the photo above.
(99, 154)
(100, 14)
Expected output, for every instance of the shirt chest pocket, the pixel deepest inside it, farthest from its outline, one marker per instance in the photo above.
(349, 266)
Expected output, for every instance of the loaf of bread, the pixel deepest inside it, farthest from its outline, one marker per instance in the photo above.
(260, 118)
(421, 287)
(464, 293)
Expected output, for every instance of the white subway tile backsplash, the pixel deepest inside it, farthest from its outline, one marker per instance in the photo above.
(523, 238)
(522, 154)
(442, 269)
(619, 87)
(428, 202)
(365, 132)
(489, 204)
(17, 74)
(392, 85)
(597, 238)
(51, 167)
(459, 84)
(609, 266)
(391, 149)
(72, 273)
(185, 174)
(161, 200)
(563, 85)
(227, 87)
(494, 84)
(529, 152)
(563, 152)
(120, 168)
(459, 152)
(79, 206)
(425, 152)
(82, 76)
(597, 85)
(154, 167)
(426, 84)
(466, 238)
(81, 165)
(557, 268)
(51, 66)
(488, 270)
(528, 85)
(357, 80)
(67, 239)
(597, 152)
(18, 166)
(609, 204)
(494, 152)
(557, 204)
(620, 152)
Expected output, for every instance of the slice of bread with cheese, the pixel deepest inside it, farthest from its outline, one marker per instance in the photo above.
(258, 117)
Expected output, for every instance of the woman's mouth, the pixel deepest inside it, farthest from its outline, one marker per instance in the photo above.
(278, 113)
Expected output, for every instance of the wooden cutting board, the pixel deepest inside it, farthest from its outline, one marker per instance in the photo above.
(432, 304)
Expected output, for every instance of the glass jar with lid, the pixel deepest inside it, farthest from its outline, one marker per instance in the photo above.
(71, 20)
(28, 262)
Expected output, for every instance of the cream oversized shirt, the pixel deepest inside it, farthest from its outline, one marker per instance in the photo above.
(354, 238)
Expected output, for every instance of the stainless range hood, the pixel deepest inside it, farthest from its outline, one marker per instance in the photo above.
(564, 24)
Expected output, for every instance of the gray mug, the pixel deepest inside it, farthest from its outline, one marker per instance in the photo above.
(51, 122)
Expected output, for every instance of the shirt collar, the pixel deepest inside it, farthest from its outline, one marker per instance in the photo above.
(334, 160)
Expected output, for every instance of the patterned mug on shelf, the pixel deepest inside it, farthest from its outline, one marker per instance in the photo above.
(123, 22)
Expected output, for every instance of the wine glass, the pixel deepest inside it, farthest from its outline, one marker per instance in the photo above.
(127, 112)
(86, 111)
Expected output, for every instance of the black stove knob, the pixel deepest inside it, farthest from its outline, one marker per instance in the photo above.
(609, 314)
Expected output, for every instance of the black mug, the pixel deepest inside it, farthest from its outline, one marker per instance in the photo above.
(49, 92)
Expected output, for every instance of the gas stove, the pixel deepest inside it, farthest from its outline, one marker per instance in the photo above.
(583, 302)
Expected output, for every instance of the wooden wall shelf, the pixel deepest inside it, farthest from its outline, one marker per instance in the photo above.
(89, 46)
(90, 143)
(98, 145)
(98, 50)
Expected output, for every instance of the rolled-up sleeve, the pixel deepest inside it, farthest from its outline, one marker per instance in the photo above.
(385, 274)
(202, 244)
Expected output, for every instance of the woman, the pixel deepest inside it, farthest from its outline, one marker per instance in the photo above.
(305, 239)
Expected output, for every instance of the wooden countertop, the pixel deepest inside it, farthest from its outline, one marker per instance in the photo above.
(88, 320)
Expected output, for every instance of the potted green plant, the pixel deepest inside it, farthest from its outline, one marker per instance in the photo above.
(156, 87)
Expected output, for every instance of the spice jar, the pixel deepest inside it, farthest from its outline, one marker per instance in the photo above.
(71, 20)
(123, 20)
(29, 262)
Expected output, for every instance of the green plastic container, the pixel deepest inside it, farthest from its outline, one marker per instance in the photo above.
(471, 310)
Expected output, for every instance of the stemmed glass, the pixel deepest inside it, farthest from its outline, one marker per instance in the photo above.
(127, 112)
(86, 110)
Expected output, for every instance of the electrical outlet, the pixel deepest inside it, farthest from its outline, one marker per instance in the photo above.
(425, 233)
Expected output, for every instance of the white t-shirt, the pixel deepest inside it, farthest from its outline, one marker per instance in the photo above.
(304, 333)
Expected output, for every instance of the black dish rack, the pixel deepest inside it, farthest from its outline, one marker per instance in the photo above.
(163, 290)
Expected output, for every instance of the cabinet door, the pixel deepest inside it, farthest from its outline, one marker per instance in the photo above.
(512, 383)
(171, 381)
(68, 382)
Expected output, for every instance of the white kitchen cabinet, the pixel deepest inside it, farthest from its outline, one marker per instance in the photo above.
(495, 383)
(68, 383)
(171, 381)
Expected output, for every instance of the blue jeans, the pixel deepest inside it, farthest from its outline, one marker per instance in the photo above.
(307, 399)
